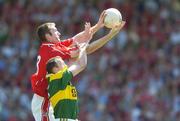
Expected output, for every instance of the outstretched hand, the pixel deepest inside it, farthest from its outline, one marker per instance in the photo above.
(100, 22)
(117, 28)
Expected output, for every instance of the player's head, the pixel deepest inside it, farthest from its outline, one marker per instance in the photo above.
(54, 65)
(48, 32)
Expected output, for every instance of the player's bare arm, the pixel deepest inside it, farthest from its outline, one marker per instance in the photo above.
(76, 66)
(89, 34)
(82, 36)
(99, 24)
(102, 41)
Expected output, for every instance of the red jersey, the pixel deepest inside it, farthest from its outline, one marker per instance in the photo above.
(48, 50)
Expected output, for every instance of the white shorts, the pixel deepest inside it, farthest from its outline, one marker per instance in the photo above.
(42, 110)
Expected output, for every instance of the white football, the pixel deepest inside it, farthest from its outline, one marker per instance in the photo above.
(113, 17)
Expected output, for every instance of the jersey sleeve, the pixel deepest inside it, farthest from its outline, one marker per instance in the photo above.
(56, 51)
(67, 42)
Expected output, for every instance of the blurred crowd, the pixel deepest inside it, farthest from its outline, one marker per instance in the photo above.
(135, 77)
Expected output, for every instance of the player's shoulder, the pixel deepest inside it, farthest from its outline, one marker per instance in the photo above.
(60, 74)
(67, 40)
(45, 46)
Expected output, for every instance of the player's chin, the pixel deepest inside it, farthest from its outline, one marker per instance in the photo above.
(58, 39)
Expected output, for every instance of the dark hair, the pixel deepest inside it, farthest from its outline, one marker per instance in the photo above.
(44, 29)
(51, 64)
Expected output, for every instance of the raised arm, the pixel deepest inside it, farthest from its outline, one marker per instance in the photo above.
(76, 66)
(102, 41)
(83, 36)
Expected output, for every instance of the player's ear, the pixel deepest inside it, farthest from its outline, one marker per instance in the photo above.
(48, 36)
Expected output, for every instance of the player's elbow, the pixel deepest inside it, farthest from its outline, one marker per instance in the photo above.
(90, 49)
(83, 65)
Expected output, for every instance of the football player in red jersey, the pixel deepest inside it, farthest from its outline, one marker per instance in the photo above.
(52, 46)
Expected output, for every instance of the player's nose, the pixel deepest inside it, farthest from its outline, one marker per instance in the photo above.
(58, 33)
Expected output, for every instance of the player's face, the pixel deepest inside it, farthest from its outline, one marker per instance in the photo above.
(60, 66)
(55, 35)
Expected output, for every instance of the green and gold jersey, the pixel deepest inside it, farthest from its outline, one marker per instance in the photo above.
(62, 94)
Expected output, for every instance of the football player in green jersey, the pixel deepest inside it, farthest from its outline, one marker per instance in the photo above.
(62, 94)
